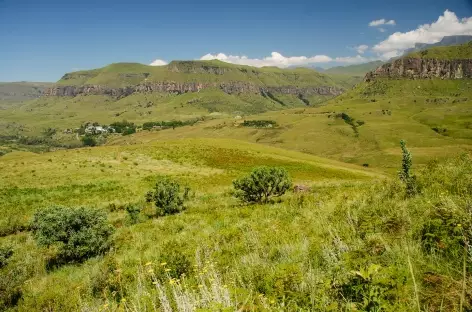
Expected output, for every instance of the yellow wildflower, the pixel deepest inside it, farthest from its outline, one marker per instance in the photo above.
(200, 286)
(163, 263)
(167, 270)
(123, 299)
(459, 225)
(148, 263)
(150, 271)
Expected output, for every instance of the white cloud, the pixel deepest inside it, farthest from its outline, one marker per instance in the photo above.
(382, 30)
(447, 25)
(362, 48)
(275, 59)
(381, 22)
(158, 62)
(351, 59)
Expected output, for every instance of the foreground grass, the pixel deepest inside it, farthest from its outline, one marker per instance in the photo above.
(352, 243)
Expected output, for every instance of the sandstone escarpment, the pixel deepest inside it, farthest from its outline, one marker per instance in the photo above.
(180, 88)
(417, 68)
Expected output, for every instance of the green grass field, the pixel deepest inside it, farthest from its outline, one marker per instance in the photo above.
(299, 253)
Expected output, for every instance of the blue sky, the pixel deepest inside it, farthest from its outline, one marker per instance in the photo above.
(42, 40)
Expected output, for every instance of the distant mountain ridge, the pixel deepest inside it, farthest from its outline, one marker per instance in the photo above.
(22, 91)
(441, 62)
(446, 41)
(354, 70)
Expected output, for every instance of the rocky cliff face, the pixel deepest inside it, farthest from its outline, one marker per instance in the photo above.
(179, 88)
(416, 68)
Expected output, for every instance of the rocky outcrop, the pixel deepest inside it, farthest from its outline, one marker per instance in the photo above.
(417, 68)
(191, 67)
(179, 88)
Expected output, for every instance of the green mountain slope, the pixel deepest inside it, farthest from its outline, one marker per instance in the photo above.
(126, 74)
(463, 51)
(180, 90)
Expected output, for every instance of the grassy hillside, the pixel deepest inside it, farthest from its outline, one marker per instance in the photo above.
(66, 112)
(308, 251)
(124, 74)
(434, 116)
(354, 70)
(463, 51)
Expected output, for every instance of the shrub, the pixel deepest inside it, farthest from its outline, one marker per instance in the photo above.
(133, 213)
(5, 253)
(405, 173)
(88, 140)
(262, 184)
(77, 233)
(167, 197)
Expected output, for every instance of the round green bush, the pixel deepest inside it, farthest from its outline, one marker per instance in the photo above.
(77, 233)
(262, 184)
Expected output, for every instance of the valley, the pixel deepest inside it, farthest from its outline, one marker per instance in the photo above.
(122, 188)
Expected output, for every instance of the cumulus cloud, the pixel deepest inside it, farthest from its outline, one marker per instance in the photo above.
(275, 59)
(362, 48)
(158, 62)
(447, 24)
(381, 22)
(278, 60)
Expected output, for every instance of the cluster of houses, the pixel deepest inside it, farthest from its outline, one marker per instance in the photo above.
(92, 129)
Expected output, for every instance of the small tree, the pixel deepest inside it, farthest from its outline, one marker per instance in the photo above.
(262, 184)
(133, 211)
(167, 197)
(89, 140)
(77, 233)
(405, 174)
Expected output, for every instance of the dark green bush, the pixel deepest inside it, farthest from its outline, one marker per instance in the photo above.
(262, 184)
(133, 211)
(89, 140)
(77, 233)
(405, 174)
(5, 253)
(167, 197)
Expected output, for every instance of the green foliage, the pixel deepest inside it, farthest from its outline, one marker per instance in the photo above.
(124, 127)
(169, 124)
(133, 211)
(77, 233)
(405, 174)
(107, 280)
(351, 121)
(262, 184)
(370, 288)
(5, 253)
(446, 230)
(167, 197)
(89, 140)
(260, 123)
(49, 132)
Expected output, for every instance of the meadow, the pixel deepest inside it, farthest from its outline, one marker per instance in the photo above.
(355, 241)
(359, 229)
